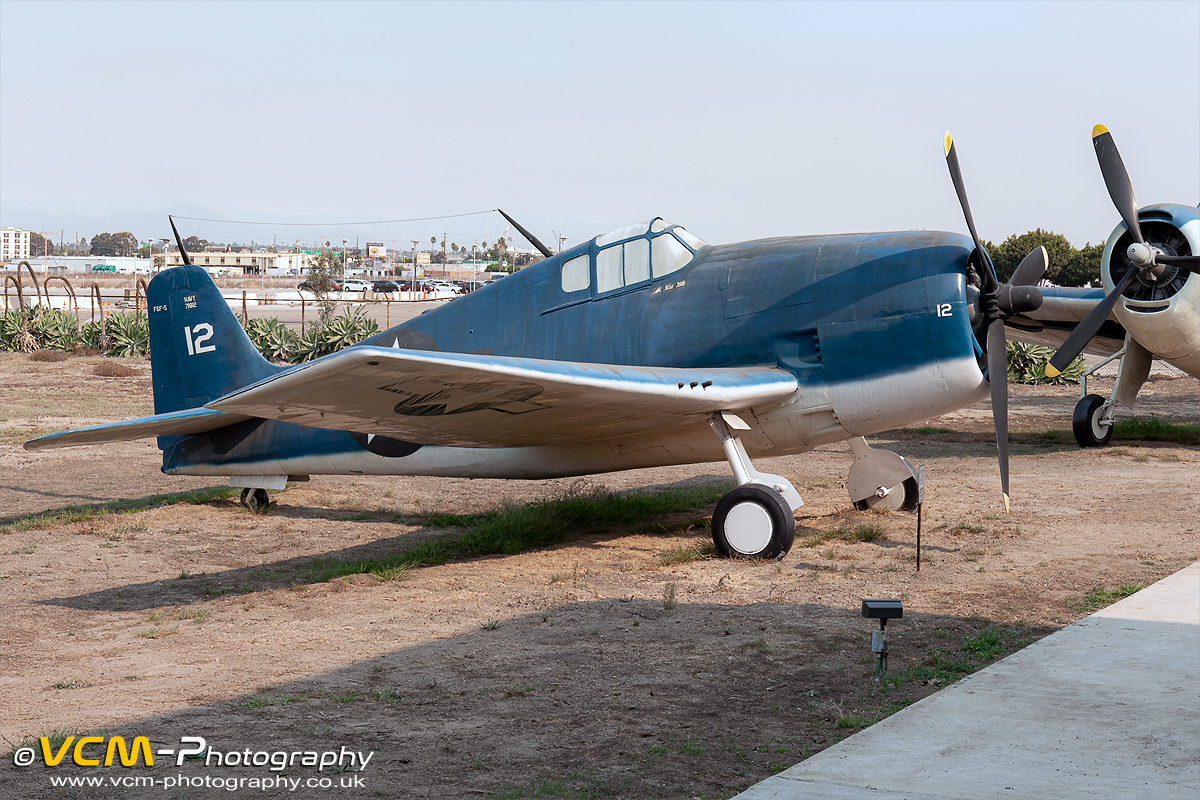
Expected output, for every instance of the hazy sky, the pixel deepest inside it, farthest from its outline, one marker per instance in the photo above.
(738, 121)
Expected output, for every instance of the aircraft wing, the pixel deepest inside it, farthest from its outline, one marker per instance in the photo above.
(468, 400)
(1061, 310)
(194, 420)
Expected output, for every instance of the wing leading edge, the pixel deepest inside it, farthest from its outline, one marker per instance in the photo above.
(465, 400)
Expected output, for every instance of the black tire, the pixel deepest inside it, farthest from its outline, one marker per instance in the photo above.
(762, 525)
(256, 500)
(1086, 424)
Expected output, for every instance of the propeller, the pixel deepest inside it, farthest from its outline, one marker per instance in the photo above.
(533, 240)
(182, 250)
(1146, 261)
(998, 302)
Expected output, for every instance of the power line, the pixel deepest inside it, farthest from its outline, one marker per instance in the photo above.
(336, 224)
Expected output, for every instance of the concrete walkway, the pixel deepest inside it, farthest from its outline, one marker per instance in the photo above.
(1108, 707)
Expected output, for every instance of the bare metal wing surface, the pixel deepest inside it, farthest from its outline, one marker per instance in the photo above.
(193, 420)
(466, 400)
(1062, 309)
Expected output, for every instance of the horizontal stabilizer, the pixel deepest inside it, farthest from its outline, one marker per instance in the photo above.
(193, 420)
(466, 400)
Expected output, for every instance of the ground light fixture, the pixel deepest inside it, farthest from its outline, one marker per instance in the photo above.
(882, 610)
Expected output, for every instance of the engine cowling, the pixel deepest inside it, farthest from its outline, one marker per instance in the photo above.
(1160, 310)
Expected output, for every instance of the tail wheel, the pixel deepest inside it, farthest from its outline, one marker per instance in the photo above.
(1086, 424)
(255, 500)
(753, 521)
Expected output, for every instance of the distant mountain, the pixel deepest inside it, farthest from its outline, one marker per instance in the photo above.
(74, 225)
(76, 222)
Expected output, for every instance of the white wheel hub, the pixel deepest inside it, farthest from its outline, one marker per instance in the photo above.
(1098, 430)
(748, 528)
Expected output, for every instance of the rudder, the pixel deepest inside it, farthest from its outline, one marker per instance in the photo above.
(198, 350)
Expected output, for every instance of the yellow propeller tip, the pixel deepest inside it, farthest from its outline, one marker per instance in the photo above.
(948, 143)
(1005, 501)
(1052, 371)
(1099, 130)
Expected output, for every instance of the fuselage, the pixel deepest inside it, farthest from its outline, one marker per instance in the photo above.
(874, 326)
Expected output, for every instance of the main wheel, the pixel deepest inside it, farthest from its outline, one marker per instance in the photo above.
(753, 521)
(1086, 424)
(255, 500)
(901, 496)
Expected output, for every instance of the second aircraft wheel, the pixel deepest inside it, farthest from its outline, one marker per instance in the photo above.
(255, 499)
(1086, 424)
(901, 496)
(753, 521)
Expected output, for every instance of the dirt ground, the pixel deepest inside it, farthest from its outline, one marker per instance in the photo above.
(566, 672)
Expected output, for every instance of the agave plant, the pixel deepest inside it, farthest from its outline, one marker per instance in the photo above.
(1027, 364)
(93, 335)
(351, 327)
(129, 333)
(311, 346)
(54, 329)
(272, 338)
(12, 326)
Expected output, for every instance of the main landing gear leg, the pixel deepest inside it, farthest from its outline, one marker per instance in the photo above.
(1094, 416)
(755, 519)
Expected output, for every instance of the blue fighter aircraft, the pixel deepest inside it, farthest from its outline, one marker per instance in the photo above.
(640, 348)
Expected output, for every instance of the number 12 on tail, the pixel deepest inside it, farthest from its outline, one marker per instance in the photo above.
(196, 338)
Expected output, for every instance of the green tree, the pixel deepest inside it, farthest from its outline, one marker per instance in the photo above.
(1008, 254)
(194, 244)
(322, 270)
(39, 245)
(114, 244)
(1082, 267)
(102, 245)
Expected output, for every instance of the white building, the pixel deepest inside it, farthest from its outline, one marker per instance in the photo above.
(14, 244)
(245, 262)
(74, 265)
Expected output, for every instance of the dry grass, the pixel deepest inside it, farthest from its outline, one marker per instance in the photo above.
(48, 355)
(115, 369)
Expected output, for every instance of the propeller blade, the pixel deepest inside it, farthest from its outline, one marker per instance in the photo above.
(182, 251)
(533, 240)
(1031, 269)
(1086, 329)
(1183, 261)
(997, 357)
(989, 274)
(1117, 179)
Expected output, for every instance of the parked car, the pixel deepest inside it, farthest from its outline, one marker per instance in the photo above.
(306, 286)
(384, 287)
(356, 286)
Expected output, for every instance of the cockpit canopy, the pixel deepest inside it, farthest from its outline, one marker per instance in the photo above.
(630, 256)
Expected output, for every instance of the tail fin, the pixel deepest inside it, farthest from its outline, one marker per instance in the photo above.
(198, 350)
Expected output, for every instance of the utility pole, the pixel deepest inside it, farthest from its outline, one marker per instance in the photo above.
(414, 275)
